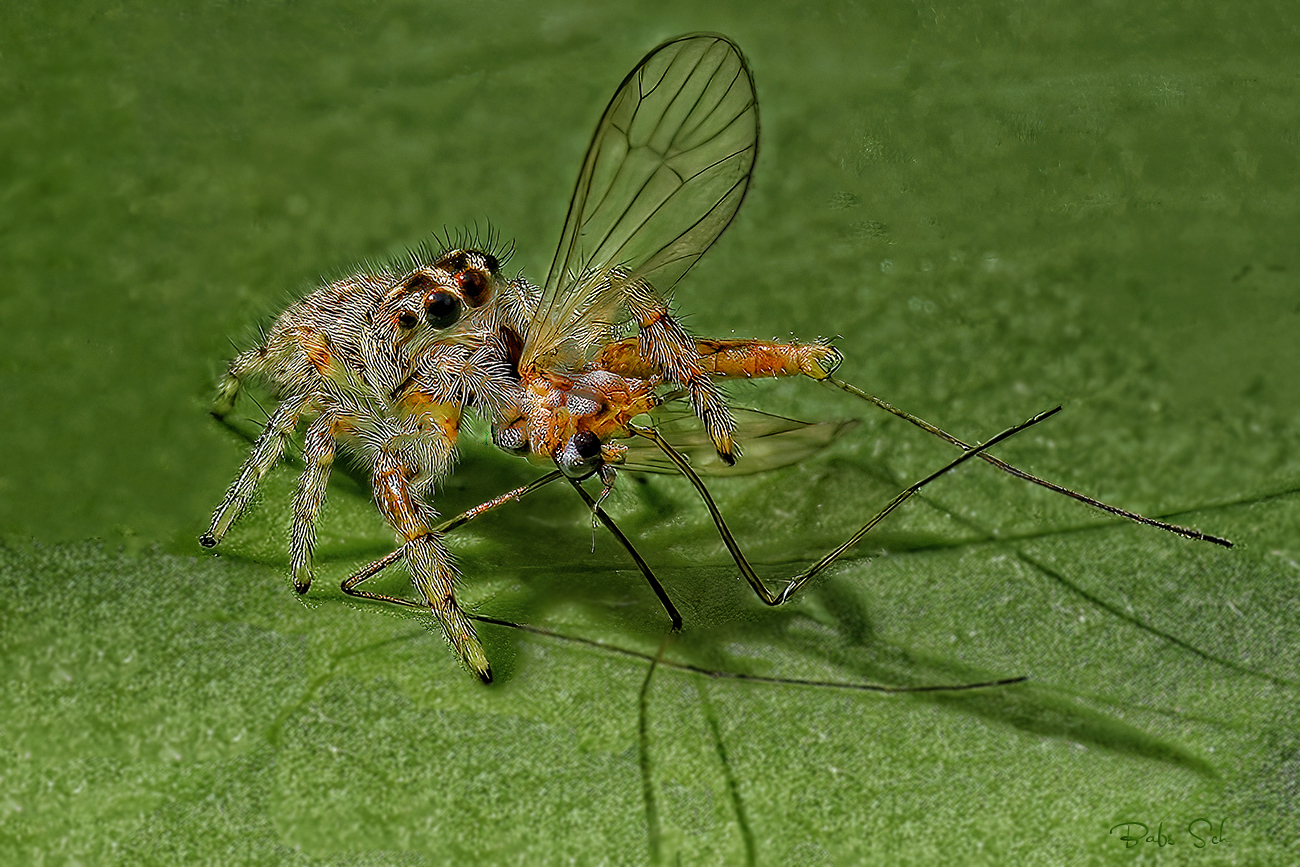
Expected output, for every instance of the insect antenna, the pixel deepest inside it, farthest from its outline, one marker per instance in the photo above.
(798, 581)
(1028, 477)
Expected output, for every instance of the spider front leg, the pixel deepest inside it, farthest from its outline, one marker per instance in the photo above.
(427, 559)
(370, 570)
(253, 363)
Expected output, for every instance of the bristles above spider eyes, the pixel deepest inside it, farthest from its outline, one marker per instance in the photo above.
(456, 261)
(476, 244)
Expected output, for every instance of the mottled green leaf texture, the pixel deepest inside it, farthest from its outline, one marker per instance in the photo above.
(991, 208)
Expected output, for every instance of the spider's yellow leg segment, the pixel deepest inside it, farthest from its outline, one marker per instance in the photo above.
(428, 561)
(318, 456)
(266, 451)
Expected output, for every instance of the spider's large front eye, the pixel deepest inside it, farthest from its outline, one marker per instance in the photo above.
(442, 309)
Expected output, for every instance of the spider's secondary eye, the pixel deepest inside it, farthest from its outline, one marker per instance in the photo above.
(407, 319)
(417, 283)
(442, 309)
(474, 286)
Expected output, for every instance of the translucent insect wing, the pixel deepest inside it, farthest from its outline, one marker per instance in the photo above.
(666, 171)
(772, 441)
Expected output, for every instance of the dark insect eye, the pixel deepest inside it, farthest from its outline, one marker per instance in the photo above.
(492, 263)
(586, 444)
(580, 456)
(407, 319)
(474, 286)
(442, 309)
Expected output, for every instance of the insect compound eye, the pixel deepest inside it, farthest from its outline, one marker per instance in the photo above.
(442, 309)
(474, 286)
(586, 444)
(407, 319)
(580, 456)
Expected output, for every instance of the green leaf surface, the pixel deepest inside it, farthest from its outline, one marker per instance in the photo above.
(993, 208)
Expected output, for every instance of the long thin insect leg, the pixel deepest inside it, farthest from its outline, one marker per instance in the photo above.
(641, 564)
(318, 458)
(349, 584)
(508, 497)
(266, 451)
(367, 572)
(804, 577)
(1021, 474)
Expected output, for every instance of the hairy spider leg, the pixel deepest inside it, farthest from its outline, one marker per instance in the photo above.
(318, 458)
(370, 570)
(268, 448)
(427, 560)
(468, 515)
(252, 362)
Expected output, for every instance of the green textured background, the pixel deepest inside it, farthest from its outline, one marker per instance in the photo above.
(996, 207)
